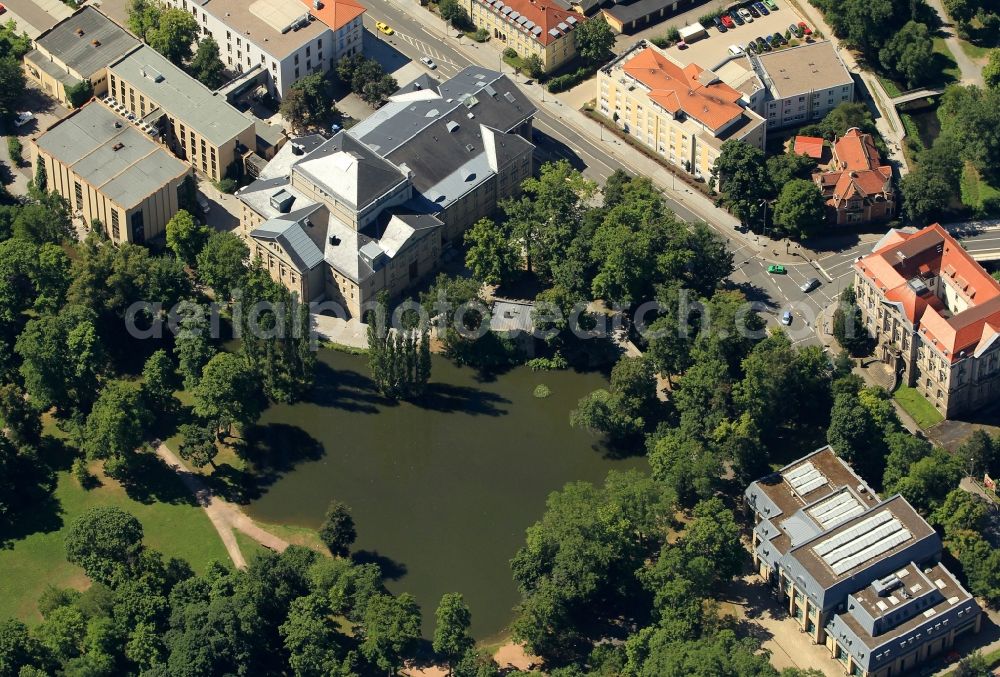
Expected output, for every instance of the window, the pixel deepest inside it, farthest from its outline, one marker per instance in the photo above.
(138, 229)
(296, 59)
(238, 42)
(115, 233)
(78, 193)
(228, 36)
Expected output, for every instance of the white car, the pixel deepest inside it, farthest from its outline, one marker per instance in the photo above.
(745, 13)
(23, 118)
(429, 62)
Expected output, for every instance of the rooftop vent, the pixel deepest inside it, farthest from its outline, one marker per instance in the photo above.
(452, 126)
(79, 31)
(95, 43)
(886, 585)
(282, 201)
(117, 147)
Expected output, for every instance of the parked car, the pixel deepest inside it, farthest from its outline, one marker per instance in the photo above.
(761, 8)
(747, 16)
(682, 45)
(429, 62)
(737, 19)
(384, 28)
(776, 269)
(753, 11)
(769, 41)
(786, 318)
(805, 28)
(721, 26)
(204, 204)
(727, 20)
(735, 50)
(2, 8)
(793, 29)
(779, 39)
(23, 118)
(752, 47)
(771, 5)
(809, 285)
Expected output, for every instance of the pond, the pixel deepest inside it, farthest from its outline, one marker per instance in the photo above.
(441, 492)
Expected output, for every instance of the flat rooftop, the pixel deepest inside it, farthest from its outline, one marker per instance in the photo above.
(87, 41)
(803, 69)
(262, 21)
(111, 155)
(181, 96)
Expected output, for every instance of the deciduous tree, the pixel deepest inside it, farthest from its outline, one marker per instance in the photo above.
(337, 531)
(173, 34)
(800, 210)
(492, 254)
(106, 541)
(228, 392)
(206, 65)
(186, 237)
(451, 633)
(222, 263)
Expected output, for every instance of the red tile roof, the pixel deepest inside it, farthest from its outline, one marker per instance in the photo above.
(856, 170)
(809, 145)
(336, 13)
(856, 150)
(932, 251)
(546, 15)
(702, 97)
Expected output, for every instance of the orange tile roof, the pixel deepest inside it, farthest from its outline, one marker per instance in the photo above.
(544, 14)
(933, 251)
(336, 13)
(856, 170)
(682, 89)
(856, 150)
(809, 145)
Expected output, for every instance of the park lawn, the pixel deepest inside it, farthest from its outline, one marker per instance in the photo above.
(172, 522)
(250, 548)
(974, 52)
(974, 189)
(304, 536)
(917, 406)
(949, 68)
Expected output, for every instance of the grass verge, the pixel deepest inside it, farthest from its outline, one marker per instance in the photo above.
(250, 548)
(173, 524)
(992, 660)
(949, 69)
(975, 191)
(917, 406)
(303, 536)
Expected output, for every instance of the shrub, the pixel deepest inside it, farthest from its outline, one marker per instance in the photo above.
(706, 19)
(481, 35)
(510, 53)
(557, 361)
(662, 43)
(673, 34)
(568, 81)
(226, 185)
(15, 149)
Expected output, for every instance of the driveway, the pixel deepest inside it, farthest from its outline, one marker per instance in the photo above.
(972, 73)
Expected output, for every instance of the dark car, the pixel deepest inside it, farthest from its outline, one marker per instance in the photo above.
(721, 26)
(761, 8)
(754, 12)
(752, 47)
(735, 16)
(809, 285)
(779, 39)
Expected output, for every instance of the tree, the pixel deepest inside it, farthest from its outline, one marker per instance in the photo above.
(991, 71)
(929, 480)
(391, 629)
(451, 633)
(866, 24)
(784, 167)
(961, 511)
(106, 541)
(44, 220)
(191, 346)
(63, 632)
(22, 420)
(741, 172)
(337, 531)
(909, 53)
(143, 18)
(228, 392)
(198, 447)
(848, 325)
(973, 665)
(222, 263)
(454, 13)
(924, 194)
(206, 65)
(19, 651)
(311, 638)
(12, 84)
(845, 116)
(41, 181)
(317, 98)
(117, 423)
(492, 255)
(159, 381)
(173, 34)
(294, 108)
(623, 410)
(979, 454)
(399, 359)
(800, 210)
(854, 435)
(186, 237)
(594, 40)
(533, 65)
(375, 92)
(79, 93)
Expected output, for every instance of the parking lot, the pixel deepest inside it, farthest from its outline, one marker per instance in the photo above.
(710, 51)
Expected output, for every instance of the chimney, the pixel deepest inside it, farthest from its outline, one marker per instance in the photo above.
(79, 32)
(117, 147)
(95, 43)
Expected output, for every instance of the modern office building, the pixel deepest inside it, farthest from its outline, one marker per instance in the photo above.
(682, 113)
(540, 27)
(860, 574)
(199, 126)
(110, 171)
(801, 84)
(935, 314)
(286, 39)
(76, 49)
(857, 186)
(372, 208)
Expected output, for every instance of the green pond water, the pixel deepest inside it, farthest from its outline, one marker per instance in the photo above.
(441, 491)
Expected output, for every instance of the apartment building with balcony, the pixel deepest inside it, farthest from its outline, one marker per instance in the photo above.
(935, 315)
(109, 171)
(861, 575)
(197, 125)
(284, 39)
(77, 48)
(682, 113)
(541, 27)
(372, 208)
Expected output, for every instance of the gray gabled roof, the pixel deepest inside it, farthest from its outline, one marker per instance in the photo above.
(290, 232)
(111, 155)
(86, 42)
(347, 168)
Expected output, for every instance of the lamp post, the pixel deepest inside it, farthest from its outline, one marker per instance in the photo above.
(764, 204)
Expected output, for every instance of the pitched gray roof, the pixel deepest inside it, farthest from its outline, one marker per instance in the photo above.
(290, 232)
(347, 168)
(111, 155)
(183, 97)
(87, 41)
